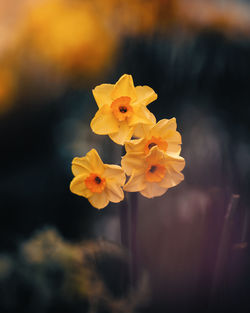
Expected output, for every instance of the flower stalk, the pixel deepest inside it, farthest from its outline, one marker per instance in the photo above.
(124, 223)
(133, 242)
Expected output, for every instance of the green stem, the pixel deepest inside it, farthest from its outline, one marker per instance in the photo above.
(124, 211)
(124, 241)
(124, 223)
(134, 218)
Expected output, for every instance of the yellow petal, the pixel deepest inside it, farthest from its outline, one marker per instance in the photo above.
(174, 141)
(124, 87)
(114, 192)
(133, 161)
(78, 186)
(102, 94)
(104, 121)
(171, 179)
(135, 183)
(174, 148)
(91, 163)
(99, 200)
(80, 166)
(141, 116)
(166, 129)
(136, 145)
(142, 130)
(114, 173)
(174, 137)
(124, 133)
(153, 190)
(176, 162)
(95, 162)
(163, 126)
(145, 95)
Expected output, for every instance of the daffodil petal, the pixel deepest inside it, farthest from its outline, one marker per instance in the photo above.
(171, 179)
(95, 162)
(104, 121)
(145, 95)
(115, 174)
(123, 134)
(141, 115)
(163, 126)
(102, 94)
(174, 148)
(142, 130)
(99, 200)
(135, 183)
(124, 87)
(153, 190)
(80, 166)
(176, 162)
(174, 141)
(88, 164)
(133, 161)
(136, 145)
(164, 129)
(78, 186)
(173, 136)
(114, 192)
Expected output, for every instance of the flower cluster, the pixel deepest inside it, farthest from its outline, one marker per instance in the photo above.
(152, 160)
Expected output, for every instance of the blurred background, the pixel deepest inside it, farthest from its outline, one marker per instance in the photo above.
(59, 254)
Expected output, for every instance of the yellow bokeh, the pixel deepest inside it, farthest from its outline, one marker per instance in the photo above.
(7, 89)
(67, 39)
(69, 35)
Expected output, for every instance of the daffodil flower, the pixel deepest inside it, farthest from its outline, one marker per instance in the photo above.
(96, 181)
(163, 135)
(154, 173)
(122, 108)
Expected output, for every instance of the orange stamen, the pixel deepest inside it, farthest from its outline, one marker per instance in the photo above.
(121, 108)
(95, 183)
(156, 141)
(155, 173)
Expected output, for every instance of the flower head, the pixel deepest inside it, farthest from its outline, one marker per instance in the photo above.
(122, 108)
(154, 173)
(163, 135)
(98, 182)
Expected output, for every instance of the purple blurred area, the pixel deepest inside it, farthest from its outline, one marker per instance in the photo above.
(193, 242)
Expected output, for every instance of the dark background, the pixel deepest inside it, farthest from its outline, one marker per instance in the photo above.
(195, 258)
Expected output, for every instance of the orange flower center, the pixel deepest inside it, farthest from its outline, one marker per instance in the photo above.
(156, 141)
(95, 183)
(121, 108)
(155, 173)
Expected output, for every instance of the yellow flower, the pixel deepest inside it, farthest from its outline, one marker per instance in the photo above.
(122, 107)
(154, 173)
(163, 135)
(98, 182)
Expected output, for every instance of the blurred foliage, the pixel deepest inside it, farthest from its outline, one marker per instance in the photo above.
(52, 275)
